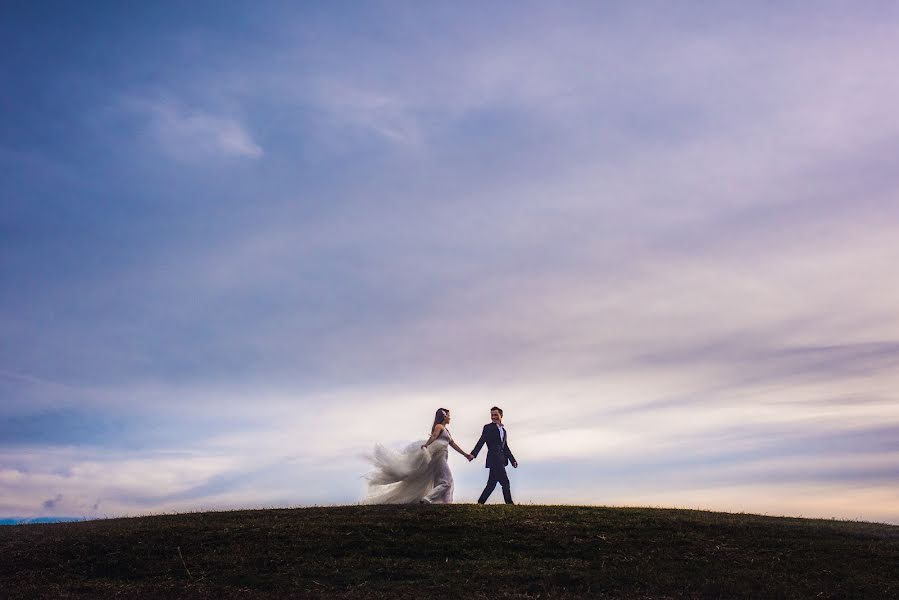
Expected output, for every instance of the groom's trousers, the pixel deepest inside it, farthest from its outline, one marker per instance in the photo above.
(497, 475)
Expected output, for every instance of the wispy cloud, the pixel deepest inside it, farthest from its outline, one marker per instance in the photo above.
(51, 504)
(192, 134)
(377, 112)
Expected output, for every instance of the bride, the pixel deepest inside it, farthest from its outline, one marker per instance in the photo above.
(419, 473)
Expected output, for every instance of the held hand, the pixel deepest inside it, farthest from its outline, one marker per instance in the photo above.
(424, 446)
(469, 457)
(514, 464)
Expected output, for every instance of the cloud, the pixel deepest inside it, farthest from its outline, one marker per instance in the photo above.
(312, 456)
(192, 134)
(51, 503)
(377, 112)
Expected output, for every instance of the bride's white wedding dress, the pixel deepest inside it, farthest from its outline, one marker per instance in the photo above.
(411, 475)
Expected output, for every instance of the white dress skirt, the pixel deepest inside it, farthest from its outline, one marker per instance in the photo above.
(411, 475)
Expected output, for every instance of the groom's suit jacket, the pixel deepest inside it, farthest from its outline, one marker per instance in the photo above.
(498, 453)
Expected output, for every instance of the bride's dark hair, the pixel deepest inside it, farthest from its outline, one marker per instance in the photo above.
(440, 416)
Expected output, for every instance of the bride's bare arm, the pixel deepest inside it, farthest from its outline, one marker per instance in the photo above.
(434, 435)
(460, 450)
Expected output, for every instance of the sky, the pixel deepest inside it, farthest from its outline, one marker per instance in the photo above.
(242, 242)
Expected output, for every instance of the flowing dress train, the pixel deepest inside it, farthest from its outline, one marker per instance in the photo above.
(411, 475)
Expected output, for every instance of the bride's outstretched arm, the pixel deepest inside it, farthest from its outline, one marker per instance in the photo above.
(434, 435)
(461, 451)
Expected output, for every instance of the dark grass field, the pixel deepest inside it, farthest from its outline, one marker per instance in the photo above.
(457, 551)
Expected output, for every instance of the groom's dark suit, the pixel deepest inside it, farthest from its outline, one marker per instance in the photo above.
(498, 456)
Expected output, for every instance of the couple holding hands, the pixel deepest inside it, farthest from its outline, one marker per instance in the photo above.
(421, 472)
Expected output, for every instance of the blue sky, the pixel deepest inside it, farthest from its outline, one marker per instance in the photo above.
(241, 243)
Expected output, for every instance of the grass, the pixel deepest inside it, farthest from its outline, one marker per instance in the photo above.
(459, 551)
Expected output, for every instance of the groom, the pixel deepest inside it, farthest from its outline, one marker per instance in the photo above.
(498, 455)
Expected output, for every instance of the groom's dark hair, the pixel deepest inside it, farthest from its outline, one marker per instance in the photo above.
(497, 409)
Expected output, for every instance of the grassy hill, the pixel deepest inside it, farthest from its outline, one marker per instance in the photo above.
(458, 551)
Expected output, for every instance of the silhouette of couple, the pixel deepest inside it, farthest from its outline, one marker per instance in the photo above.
(420, 473)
